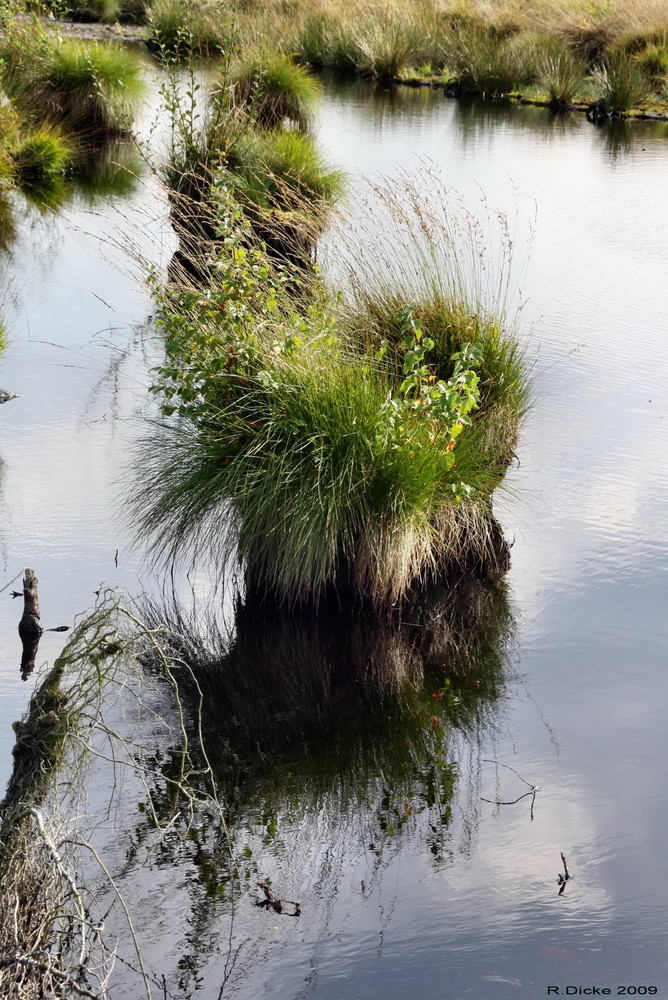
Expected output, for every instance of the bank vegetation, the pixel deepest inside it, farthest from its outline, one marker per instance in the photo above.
(568, 54)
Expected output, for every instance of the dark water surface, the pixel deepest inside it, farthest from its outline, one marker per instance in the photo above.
(410, 882)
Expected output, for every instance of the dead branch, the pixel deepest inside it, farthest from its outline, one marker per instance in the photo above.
(51, 919)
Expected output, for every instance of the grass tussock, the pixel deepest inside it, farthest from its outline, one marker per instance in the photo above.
(39, 155)
(279, 177)
(621, 83)
(32, 158)
(460, 289)
(325, 41)
(386, 46)
(274, 89)
(489, 62)
(653, 61)
(280, 170)
(562, 72)
(319, 458)
(89, 88)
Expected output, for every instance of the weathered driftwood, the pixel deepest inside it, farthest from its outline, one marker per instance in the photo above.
(30, 628)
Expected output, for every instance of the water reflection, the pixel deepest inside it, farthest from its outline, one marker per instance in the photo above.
(7, 225)
(107, 170)
(335, 741)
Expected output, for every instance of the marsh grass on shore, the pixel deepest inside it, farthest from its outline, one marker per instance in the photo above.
(189, 28)
(553, 52)
(623, 83)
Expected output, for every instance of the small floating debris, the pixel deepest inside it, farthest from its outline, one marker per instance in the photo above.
(275, 903)
(563, 879)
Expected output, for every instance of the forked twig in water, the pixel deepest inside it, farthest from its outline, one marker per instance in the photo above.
(532, 793)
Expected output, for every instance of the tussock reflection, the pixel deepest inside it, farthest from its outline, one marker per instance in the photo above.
(333, 739)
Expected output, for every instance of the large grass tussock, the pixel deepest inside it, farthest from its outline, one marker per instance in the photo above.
(90, 88)
(298, 448)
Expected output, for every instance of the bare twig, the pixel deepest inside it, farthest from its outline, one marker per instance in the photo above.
(532, 793)
(563, 879)
(534, 788)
